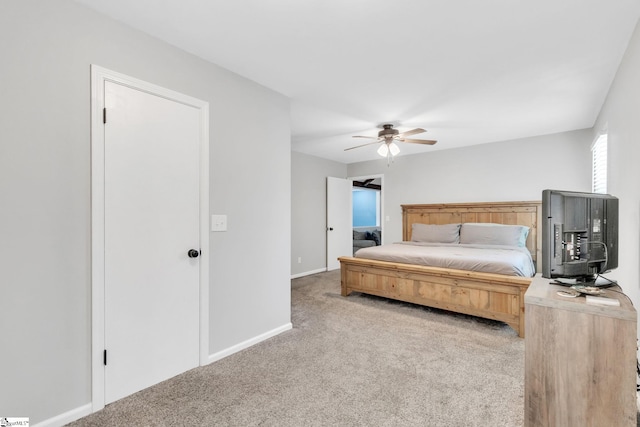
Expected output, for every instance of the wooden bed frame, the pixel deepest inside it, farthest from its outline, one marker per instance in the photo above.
(487, 295)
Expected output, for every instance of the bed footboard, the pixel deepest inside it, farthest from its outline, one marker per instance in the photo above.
(491, 296)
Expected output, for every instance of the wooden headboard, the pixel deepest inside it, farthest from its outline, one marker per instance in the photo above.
(512, 213)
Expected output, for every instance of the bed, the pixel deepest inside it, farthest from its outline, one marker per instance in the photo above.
(484, 294)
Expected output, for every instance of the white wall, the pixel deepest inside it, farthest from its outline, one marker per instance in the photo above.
(620, 114)
(46, 48)
(309, 210)
(500, 171)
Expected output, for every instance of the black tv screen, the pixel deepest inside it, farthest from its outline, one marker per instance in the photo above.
(579, 235)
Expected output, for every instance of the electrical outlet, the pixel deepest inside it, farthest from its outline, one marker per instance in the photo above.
(299, 260)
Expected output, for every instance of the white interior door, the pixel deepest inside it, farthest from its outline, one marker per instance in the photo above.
(339, 221)
(151, 219)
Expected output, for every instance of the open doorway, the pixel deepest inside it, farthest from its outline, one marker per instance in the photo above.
(367, 211)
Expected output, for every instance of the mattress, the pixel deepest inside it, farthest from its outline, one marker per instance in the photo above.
(507, 260)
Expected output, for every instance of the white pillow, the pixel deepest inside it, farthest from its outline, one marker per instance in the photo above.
(493, 234)
(435, 233)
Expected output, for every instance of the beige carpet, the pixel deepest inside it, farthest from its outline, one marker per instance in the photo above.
(354, 361)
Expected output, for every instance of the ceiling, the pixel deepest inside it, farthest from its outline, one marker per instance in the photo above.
(468, 71)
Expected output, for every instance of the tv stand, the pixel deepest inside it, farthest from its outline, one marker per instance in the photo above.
(580, 359)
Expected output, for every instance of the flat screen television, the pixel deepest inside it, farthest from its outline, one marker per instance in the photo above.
(579, 236)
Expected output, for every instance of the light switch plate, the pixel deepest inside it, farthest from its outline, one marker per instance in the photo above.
(218, 223)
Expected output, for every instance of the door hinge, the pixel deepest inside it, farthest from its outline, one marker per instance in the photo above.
(104, 115)
(105, 358)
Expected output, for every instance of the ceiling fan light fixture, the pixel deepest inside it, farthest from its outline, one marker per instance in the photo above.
(388, 137)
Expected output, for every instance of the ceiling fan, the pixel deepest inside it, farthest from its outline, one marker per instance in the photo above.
(388, 137)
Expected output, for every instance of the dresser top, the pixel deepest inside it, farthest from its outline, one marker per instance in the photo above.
(541, 292)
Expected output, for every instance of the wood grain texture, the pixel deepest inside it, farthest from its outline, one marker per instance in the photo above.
(580, 360)
(508, 213)
(492, 296)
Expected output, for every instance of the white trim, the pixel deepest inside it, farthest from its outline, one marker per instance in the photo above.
(66, 417)
(248, 343)
(309, 273)
(99, 76)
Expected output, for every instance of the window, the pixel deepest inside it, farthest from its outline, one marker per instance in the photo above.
(599, 164)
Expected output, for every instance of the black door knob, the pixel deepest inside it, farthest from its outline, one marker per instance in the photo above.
(193, 253)
(330, 228)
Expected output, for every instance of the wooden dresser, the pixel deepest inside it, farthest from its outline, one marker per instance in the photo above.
(580, 359)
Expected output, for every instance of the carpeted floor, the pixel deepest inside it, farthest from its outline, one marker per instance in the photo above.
(354, 361)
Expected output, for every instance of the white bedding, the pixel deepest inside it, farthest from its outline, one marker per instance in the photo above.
(508, 260)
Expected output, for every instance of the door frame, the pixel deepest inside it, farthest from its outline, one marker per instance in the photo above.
(383, 218)
(99, 76)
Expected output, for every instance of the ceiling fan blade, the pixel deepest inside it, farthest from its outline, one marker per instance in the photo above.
(411, 132)
(363, 145)
(419, 141)
(369, 137)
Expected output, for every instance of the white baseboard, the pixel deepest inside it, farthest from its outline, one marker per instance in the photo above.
(83, 411)
(248, 343)
(308, 273)
(67, 417)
